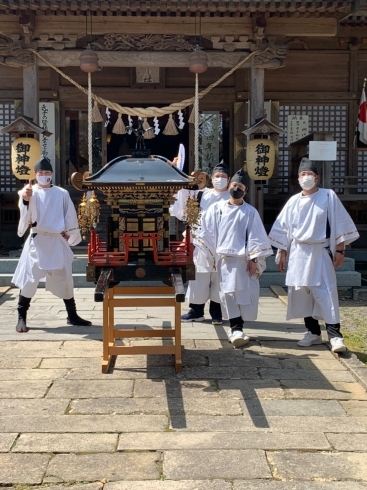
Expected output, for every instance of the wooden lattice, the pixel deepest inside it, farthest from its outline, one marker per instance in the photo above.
(326, 117)
(7, 182)
(362, 172)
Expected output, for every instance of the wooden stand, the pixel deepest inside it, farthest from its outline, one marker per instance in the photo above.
(142, 299)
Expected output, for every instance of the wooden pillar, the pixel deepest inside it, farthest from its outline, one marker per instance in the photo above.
(238, 137)
(31, 92)
(256, 112)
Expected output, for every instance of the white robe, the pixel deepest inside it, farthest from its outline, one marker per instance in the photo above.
(301, 230)
(206, 285)
(47, 254)
(235, 235)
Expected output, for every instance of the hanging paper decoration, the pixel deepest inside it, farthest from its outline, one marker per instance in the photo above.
(108, 117)
(129, 123)
(156, 126)
(170, 129)
(181, 122)
(119, 127)
(149, 134)
(96, 115)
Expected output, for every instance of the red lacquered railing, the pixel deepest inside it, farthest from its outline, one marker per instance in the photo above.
(180, 253)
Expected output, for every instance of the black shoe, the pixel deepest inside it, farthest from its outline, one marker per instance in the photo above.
(217, 321)
(73, 318)
(21, 326)
(23, 305)
(192, 316)
(76, 320)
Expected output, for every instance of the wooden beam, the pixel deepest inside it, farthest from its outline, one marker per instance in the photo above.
(217, 59)
(18, 94)
(300, 97)
(30, 92)
(210, 26)
(302, 27)
(223, 97)
(352, 31)
(144, 25)
(10, 25)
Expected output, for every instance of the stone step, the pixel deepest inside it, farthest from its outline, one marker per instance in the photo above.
(346, 279)
(349, 265)
(8, 264)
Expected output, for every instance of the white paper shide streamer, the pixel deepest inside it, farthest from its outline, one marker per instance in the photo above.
(156, 126)
(181, 122)
(108, 117)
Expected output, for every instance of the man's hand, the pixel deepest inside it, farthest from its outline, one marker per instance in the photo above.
(251, 267)
(338, 260)
(282, 261)
(64, 235)
(27, 191)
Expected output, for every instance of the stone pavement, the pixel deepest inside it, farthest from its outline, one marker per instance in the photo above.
(269, 417)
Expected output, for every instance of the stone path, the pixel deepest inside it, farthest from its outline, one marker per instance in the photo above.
(269, 417)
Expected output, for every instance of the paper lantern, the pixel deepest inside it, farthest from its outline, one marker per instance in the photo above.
(24, 154)
(260, 159)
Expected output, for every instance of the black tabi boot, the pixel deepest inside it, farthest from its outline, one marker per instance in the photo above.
(73, 318)
(23, 305)
(312, 325)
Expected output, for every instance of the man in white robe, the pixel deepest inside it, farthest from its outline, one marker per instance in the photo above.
(237, 239)
(205, 286)
(50, 212)
(312, 231)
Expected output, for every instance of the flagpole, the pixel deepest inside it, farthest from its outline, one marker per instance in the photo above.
(356, 130)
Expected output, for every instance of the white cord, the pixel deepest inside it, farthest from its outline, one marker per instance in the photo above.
(196, 134)
(90, 127)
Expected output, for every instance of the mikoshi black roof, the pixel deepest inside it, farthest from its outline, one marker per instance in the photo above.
(127, 170)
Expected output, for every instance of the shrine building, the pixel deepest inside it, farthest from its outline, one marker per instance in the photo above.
(304, 66)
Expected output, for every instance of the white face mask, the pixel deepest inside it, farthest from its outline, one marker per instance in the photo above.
(307, 182)
(220, 183)
(44, 179)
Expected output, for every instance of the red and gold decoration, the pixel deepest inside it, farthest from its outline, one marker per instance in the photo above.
(88, 214)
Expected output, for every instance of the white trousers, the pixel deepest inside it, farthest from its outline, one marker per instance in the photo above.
(242, 303)
(320, 302)
(58, 282)
(205, 287)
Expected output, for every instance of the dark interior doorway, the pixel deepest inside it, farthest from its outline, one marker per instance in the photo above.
(164, 145)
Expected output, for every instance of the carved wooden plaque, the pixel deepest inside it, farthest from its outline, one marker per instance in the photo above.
(147, 74)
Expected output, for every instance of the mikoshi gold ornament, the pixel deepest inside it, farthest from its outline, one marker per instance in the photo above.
(192, 212)
(260, 157)
(88, 213)
(192, 217)
(24, 154)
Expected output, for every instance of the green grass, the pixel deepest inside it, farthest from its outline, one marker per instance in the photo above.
(354, 327)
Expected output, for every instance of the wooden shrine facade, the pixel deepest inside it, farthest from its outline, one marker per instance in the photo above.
(311, 61)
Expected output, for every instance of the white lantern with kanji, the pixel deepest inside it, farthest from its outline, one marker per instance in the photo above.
(260, 159)
(24, 154)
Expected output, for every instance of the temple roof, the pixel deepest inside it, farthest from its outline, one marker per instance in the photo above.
(183, 7)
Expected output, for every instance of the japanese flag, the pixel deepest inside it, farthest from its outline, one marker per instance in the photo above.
(362, 118)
